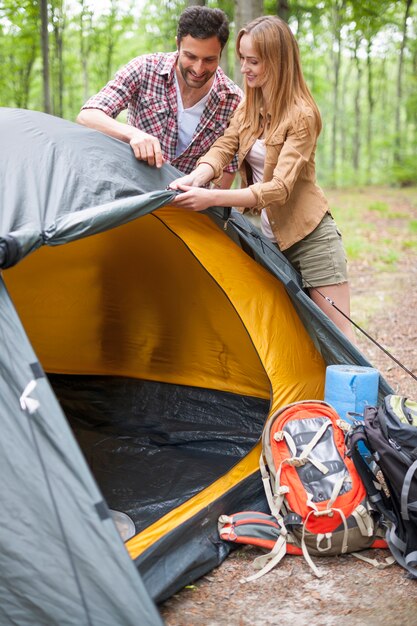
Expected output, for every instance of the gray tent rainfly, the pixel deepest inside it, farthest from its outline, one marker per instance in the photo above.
(140, 359)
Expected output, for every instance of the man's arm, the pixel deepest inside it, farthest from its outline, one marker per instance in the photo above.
(145, 147)
(94, 118)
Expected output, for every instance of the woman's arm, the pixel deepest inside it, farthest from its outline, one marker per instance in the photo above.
(295, 152)
(197, 199)
(211, 165)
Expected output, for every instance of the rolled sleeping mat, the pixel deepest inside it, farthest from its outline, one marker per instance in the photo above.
(349, 388)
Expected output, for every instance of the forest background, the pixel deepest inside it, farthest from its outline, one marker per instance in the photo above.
(359, 59)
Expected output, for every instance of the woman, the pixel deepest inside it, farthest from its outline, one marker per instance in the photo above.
(274, 131)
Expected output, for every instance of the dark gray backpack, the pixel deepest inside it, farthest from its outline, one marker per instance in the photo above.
(390, 434)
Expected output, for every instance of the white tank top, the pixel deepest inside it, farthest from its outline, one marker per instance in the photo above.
(256, 159)
(188, 119)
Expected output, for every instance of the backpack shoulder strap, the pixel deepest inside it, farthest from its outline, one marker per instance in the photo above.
(374, 490)
(397, 548)
(405, 506)
(406, 410)
(266, 562)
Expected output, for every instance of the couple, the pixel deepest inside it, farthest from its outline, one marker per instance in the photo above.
(273, 133)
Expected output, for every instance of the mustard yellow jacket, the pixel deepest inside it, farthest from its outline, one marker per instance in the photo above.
(294, 202)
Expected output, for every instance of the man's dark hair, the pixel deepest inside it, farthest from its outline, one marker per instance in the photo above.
(202, 23)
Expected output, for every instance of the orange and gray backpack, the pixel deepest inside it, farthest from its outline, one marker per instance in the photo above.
(317, 500)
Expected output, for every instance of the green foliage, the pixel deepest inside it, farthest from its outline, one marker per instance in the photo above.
(19, 50)
(367, 123)
(410, 244)
(355, 247)
(404, 172)
(374, 232)
(355, 231)
(380, 207)
(387, 260)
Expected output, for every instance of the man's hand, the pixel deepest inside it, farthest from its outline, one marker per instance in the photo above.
(147, 148)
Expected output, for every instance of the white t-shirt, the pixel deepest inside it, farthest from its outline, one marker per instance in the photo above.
(256, 159)
(188, 119)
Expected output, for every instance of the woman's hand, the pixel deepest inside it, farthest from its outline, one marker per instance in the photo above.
(197, 178)
(193, 198)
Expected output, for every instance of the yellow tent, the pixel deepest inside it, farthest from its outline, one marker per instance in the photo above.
(168, 337)
(169, 299)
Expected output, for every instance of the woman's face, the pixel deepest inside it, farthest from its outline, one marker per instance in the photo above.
(250, 64)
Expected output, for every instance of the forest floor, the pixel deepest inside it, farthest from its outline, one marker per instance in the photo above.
(382, 248)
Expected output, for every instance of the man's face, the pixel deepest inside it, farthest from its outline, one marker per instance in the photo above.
(198, 60)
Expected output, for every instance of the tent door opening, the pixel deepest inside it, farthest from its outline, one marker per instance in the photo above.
(149, 358)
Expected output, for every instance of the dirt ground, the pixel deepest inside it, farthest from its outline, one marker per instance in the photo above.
(385, 300)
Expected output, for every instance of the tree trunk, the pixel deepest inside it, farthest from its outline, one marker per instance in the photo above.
(414, 113)
(21, 78)
(344, 124)
(371, 106)
(283, 9)
(398, 125)
(245, 12)
(27, 77)
(111, 38)
(58, 20)
(224, 61)
(86, 26)
(43, 6)
(337, 24)
(357, 133)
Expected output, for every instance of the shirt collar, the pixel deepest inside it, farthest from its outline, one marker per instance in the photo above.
(166, 67)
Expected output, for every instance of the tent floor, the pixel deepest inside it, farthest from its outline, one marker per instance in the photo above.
(151, 446)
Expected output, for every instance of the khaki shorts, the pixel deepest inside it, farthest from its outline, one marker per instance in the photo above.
(320, 257)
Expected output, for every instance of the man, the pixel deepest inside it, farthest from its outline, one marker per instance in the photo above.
(178, 103)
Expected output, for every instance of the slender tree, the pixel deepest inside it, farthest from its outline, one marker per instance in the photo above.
(345, 121)
(357, 132)
(283, 9)
(111, 36)
(413, 97)
(21, 75)
(398, 124)
(58, 18)
(85, 18)
(43, 8)
(338, 10)
(245, 12)
(371, 109)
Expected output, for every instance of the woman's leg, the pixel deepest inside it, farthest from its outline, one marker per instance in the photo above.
(340, 295)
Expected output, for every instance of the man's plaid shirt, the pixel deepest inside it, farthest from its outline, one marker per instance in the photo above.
(146, 87)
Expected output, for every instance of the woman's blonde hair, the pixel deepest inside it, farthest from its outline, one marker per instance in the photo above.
(277, 48)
